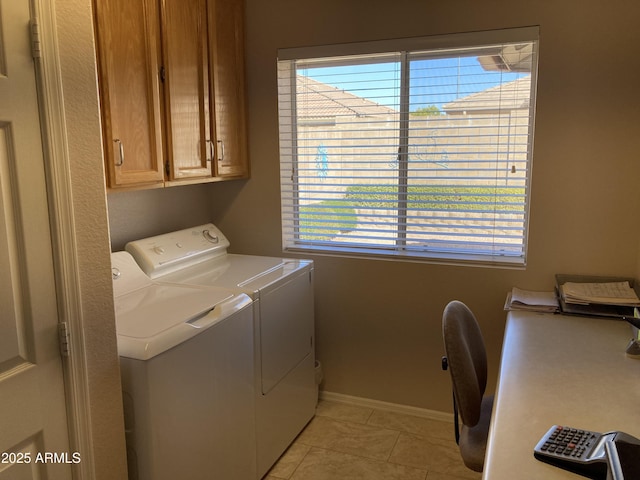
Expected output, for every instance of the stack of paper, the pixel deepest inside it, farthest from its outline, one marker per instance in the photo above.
(608, 293)
(519, 299)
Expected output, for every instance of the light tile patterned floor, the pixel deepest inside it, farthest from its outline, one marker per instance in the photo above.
(357, 443)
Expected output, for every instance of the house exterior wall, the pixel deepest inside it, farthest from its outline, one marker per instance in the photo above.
(436, 143)
(476, 149)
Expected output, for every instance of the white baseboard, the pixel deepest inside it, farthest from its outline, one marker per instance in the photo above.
(390, 407)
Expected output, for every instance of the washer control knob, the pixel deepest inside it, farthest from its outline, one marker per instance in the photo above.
(158, 250)
(210, 237)
(115, 273)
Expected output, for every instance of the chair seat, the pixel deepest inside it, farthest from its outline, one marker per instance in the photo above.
(473, 441)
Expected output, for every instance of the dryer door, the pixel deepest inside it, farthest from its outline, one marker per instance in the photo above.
(286, 327)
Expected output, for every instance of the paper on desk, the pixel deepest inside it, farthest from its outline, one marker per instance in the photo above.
(611, 293)
(529, 297)
(519, 299)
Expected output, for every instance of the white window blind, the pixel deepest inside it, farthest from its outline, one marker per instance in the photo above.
(420, 152)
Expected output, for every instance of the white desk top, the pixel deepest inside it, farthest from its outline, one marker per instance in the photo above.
(561, 370)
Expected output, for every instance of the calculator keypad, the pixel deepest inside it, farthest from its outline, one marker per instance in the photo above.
(569, 442)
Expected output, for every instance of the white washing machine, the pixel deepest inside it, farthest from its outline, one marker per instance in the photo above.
(282, 294)
(186, 359)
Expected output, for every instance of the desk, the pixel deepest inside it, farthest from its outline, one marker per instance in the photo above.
(564, 370)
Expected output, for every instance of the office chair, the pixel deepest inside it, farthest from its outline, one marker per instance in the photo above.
(466, 359)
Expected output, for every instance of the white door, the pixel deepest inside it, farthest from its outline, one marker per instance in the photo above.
(33, 425)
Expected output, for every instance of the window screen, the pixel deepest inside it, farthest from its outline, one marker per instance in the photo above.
(416, 148)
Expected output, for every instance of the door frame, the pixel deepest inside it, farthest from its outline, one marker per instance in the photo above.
(64, 246)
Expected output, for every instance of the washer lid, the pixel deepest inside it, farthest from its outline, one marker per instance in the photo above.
(248, 273)
(149, 311)
(153, 317)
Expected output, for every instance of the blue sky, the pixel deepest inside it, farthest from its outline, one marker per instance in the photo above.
(433, 81)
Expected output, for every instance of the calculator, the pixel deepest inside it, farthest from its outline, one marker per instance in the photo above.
(579, 451)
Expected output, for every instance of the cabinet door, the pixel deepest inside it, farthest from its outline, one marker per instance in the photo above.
(128, 53)
(227, 39)
(188, 123)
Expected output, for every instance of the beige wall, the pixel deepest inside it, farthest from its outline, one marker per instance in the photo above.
(75, 42)
(145, 213)
(378, 322)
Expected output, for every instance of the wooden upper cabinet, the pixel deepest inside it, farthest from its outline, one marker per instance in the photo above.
(128, 53)
(172, 88)
(187, 104)
(226, 34)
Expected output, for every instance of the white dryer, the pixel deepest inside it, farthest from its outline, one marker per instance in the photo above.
(186, 358)
(282, 294)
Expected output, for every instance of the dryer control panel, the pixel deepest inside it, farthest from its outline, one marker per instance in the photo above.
(169, 252)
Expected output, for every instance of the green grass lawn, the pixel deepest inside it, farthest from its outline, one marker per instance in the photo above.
(438, 198)
(324, 220)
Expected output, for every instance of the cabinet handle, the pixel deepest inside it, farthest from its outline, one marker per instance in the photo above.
(121, 150)
(212, 153)
(221, 158)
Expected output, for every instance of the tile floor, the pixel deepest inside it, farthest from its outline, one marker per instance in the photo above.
(358, 443)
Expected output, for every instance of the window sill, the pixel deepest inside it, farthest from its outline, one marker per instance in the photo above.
(467, 260)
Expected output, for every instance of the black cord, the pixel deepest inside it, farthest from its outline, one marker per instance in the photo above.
(456, 424)
(455, 420)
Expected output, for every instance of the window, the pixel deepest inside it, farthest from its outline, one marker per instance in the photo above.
(411, 148)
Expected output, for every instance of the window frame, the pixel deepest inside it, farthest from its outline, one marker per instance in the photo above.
(478, 42)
